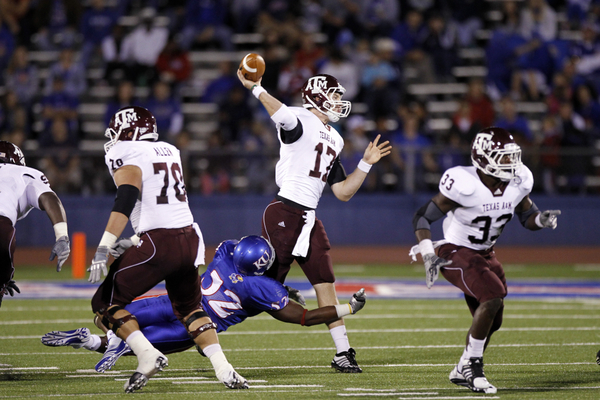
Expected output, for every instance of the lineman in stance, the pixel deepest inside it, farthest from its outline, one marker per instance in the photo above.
(167, 246)
(21, 189)
(478, 201)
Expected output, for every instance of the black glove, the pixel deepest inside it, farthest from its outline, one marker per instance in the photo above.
(10, 288)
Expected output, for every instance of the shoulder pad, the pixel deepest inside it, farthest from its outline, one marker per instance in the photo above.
(461, 179)
(526, 179)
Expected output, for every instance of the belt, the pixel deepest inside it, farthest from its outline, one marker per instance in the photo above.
(292, 203)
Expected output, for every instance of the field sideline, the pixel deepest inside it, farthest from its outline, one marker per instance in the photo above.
(545, 350)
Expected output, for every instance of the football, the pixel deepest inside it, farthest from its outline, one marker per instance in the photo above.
(252, 67)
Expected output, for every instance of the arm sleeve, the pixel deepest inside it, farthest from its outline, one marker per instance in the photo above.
(290, 128)
(337, 173)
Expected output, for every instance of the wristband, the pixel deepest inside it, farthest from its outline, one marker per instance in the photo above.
(60, 230)
(257, 91)
(108, 239)
(343, 309)
(303, 319)
(364, 166)
(426, 247)
(538, 222)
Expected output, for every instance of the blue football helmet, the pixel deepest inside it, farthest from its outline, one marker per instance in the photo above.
(253, 255)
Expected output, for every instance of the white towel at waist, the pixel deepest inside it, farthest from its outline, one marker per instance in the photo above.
(201, 249)
(303, 242)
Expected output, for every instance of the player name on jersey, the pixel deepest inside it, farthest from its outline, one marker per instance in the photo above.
(163, 152)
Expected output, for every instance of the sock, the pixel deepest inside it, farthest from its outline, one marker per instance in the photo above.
(92, 343)
(217, 358)
(463, 359)
(138, 342)
(340, 338)
(475, 347)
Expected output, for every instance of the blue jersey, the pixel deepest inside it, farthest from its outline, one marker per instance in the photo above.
(227, 297)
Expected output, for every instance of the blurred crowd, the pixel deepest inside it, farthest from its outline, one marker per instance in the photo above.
(535, 51)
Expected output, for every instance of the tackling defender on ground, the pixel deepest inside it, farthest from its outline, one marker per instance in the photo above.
(233, 289)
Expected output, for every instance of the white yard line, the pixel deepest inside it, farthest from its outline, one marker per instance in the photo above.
(416, 330)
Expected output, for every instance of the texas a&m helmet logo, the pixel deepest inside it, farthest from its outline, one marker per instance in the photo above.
(125, 118)
(484, 141)
(316, 84)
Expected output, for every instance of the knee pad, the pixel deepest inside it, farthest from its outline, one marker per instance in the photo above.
(197, 332)
(112, 323)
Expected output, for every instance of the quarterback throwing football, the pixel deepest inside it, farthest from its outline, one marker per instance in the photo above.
(478, 201)
(309, 159)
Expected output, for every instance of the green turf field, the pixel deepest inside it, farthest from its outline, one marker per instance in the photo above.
(545, 350)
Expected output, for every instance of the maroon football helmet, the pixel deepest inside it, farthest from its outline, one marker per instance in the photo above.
(131, 123)
(317, 92)
(495, 153)
(11, 153)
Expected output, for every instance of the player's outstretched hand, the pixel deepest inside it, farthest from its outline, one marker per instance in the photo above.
(60, 251)
(11, 287)
(433, 264)
(358, 300)
(98, 264)
(294, 294)
(375, 150)
(117, 249)
(246, 82)
(548, 218)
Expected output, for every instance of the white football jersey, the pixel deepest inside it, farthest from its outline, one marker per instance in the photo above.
(483, 215)
(304, 165)
(163, 200)
(20, 189)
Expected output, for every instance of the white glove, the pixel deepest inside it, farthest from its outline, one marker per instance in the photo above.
(547, 219)
(98, 264)
(433, 264)
(60, 251)
(117, 249)
(358, 300)
(294, 294)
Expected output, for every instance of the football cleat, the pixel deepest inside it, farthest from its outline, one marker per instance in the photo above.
(473, 373)
(149, 363)
(136, 382)
(458, 379)
(598, 357)
(115, 349)
(76, 338)
(346, 362)
(232, 379)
